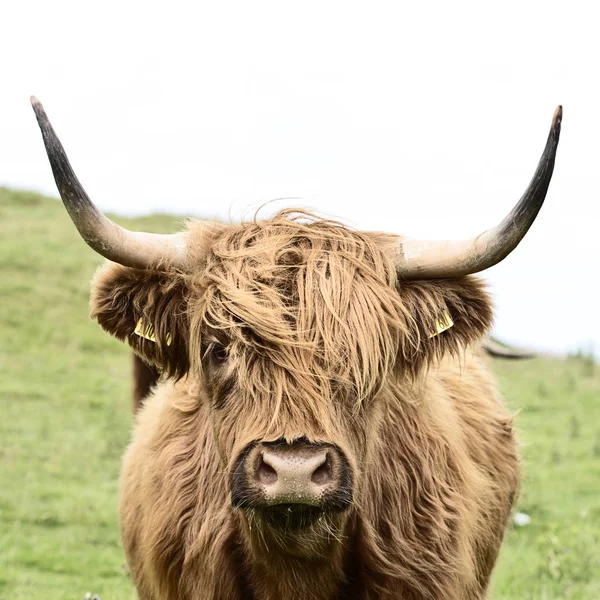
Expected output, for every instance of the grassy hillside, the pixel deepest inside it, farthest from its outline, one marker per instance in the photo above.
(65, 421)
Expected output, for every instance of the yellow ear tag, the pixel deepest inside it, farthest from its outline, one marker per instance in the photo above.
(442, 324)
(147, 332)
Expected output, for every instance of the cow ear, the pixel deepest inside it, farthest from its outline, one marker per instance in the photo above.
(442, 317)
(148, 310)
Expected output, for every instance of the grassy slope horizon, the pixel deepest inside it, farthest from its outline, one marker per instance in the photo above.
(65, 422)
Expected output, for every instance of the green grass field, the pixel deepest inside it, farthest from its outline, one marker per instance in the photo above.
(65, 421)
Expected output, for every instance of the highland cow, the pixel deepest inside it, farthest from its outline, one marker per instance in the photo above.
(325, 425)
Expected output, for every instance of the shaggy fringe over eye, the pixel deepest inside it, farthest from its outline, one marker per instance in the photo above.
(320, 299)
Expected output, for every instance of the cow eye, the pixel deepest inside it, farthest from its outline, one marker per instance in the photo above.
(219, 353)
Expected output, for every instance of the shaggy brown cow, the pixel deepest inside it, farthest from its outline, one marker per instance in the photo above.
(321, 430)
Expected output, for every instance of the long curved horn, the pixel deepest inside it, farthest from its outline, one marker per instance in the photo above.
(129, 248)
(418, 259)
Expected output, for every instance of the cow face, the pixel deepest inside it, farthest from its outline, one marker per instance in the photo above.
(293, 332)
(294, 328)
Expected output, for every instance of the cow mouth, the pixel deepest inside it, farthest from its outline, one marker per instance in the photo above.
(291, 516)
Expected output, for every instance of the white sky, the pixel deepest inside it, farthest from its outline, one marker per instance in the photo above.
(422, 118)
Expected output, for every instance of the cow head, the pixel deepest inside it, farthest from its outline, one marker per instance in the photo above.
(294, 329)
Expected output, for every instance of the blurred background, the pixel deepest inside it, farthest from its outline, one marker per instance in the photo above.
(426, 119)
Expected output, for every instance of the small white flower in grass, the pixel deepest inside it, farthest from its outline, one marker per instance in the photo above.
(521, 519)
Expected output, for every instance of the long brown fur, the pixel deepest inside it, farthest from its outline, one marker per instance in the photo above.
(298, 327)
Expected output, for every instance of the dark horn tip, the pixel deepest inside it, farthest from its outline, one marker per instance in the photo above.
(557, 118)
(37, 106)
(38, 109)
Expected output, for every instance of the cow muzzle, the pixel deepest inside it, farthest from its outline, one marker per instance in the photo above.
(292, 484)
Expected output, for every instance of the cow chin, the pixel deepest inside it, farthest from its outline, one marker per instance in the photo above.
(306, 532)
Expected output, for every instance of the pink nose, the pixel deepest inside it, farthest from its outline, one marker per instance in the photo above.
(295, 473)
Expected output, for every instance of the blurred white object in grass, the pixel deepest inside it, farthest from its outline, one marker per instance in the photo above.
(521, 519)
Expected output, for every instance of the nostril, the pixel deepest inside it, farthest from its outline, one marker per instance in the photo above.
(265, 473)
(322, 474)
